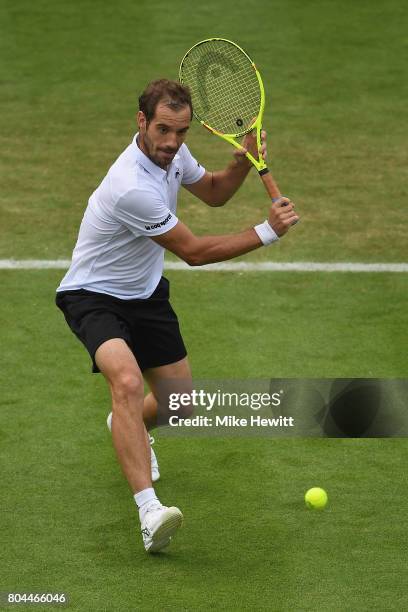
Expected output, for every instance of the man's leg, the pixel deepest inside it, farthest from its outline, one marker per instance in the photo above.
(154, 466)
(180, 373)
(154, 376)
(175, 378)
(118, 364)
(150, 411)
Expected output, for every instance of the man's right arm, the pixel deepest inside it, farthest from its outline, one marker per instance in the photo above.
(200, 250)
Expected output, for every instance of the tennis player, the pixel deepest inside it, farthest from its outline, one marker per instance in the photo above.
(114, 296)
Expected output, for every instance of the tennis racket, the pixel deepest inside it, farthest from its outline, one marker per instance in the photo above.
(227, 94)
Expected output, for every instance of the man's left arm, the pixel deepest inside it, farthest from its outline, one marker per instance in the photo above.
(216, 188)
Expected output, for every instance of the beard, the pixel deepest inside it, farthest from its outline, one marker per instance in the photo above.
(161, 157)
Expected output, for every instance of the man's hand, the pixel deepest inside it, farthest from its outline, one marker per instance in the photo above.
(282, 215)
(249, 146)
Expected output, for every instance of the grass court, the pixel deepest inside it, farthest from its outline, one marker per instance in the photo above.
(336, 116)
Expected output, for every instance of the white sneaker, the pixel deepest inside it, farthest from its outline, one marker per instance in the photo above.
(153, 459)
(159, 525)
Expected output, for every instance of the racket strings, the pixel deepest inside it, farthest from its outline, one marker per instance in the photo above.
(222, 98)
(224, 86)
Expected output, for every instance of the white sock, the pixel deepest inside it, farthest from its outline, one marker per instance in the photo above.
(145, 500)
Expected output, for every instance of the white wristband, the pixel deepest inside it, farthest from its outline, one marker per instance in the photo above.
(266, 233)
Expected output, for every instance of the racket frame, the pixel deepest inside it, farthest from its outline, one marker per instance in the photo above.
(259, 163)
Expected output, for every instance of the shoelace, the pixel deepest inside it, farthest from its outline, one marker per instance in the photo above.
(151, 439)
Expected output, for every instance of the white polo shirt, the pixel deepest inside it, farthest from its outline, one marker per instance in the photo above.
(137, 199)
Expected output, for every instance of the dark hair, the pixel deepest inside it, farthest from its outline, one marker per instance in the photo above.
(171, 93)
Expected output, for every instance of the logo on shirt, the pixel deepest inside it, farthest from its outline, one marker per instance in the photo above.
(156, 225)
(177, 173)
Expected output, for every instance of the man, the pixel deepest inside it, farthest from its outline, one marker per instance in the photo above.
(114, 297)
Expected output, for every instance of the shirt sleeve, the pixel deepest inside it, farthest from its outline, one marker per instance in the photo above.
(192, 170)
(144, 213)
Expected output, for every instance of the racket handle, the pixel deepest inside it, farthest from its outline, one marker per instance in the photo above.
(270, 185)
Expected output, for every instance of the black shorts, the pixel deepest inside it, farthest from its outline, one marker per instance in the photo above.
(150, 327)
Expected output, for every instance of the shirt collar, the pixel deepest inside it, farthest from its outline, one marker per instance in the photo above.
(147, 163)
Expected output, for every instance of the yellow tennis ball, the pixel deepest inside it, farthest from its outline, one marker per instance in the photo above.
(316, 498)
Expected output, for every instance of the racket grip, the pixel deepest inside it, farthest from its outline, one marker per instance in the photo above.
(270, 185)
